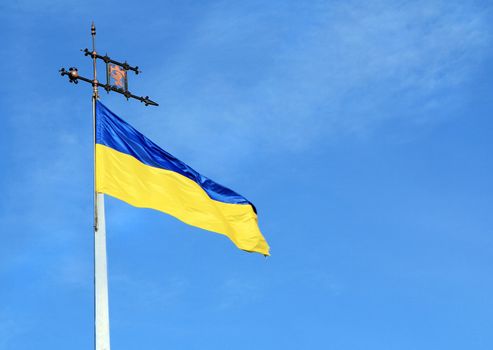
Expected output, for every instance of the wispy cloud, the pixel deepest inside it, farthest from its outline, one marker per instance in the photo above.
(10, 329)
(45, 172)
(314, 70)
(146, 293)
(237, 292)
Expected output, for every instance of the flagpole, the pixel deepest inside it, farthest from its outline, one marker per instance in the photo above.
(116, 73)
(101, 307)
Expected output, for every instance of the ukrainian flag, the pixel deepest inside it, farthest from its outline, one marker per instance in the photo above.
(132, 168)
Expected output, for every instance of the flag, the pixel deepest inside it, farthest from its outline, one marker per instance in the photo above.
(134, 169)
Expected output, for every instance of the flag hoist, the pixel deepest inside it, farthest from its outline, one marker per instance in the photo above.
(130, 167)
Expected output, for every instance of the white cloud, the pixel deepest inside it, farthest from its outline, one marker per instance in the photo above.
(319, 69)
(10, 329)
(235, 292)
(146, 293)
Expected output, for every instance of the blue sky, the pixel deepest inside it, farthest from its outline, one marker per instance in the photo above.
(361, 130)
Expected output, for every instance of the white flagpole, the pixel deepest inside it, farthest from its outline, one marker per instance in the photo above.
(101, 308)
(102, 322)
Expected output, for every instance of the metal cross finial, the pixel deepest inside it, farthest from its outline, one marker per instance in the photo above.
(116, 74)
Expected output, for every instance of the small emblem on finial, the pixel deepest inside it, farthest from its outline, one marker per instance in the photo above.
(118, 75)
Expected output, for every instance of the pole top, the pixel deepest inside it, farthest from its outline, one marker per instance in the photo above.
(114, 70)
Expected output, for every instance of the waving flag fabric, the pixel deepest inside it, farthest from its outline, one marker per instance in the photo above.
(132, 168)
